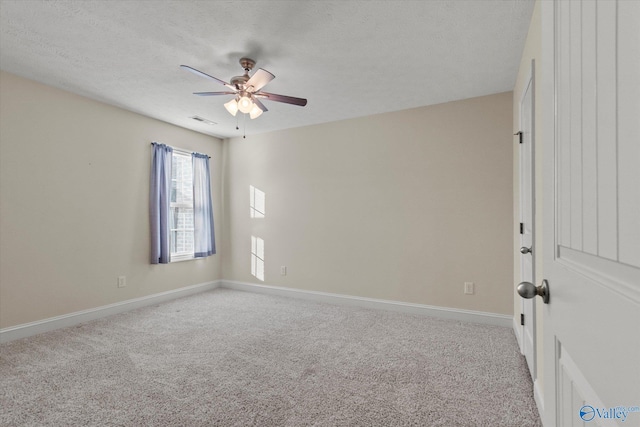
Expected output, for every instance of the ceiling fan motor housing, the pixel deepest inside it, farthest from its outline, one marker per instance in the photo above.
(240, 81)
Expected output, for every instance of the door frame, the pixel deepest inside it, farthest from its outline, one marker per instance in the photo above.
(529, 87)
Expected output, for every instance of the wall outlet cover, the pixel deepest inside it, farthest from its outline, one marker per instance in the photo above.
(468, 288)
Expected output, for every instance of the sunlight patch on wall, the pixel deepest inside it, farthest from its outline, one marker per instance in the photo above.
(257, 257)
(256, 202)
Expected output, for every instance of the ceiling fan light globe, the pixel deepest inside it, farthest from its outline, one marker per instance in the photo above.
(245, 104)
(255, 112)
(232, 107)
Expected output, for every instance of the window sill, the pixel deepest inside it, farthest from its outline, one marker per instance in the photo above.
(181, 258)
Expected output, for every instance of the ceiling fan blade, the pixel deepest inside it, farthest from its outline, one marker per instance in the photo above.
(259, 79)
(205, 75)
(283, 98)
(260, 104)
(213, 93)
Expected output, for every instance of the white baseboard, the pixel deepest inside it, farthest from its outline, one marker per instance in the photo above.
(517, 328)
(71, 319)
(398, 306)
(537, 396)
(28, 329)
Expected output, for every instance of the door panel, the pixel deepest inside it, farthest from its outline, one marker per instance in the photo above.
(628, 72)
(606, 131)
(591, 210)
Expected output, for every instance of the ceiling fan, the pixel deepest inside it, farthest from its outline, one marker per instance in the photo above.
(247, 90)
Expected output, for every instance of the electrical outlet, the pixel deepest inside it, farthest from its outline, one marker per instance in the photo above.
(283, 270)
(468, 288)
(122, 281)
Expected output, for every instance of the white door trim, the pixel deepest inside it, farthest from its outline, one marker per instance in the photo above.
(528, 306)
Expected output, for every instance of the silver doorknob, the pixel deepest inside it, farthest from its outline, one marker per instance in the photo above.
(524, 250)
(529, 290)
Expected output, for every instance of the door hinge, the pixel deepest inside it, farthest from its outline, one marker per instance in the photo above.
(522, 319)
(519, 134)
(521, 228)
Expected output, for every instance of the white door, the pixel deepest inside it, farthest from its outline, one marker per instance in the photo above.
(527, 208)
(591, 205)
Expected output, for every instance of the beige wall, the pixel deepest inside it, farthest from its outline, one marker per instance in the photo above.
(74, 203)
(532, 51)
(403, 206)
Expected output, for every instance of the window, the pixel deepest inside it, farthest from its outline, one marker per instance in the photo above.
(257, 257)
(181, 206)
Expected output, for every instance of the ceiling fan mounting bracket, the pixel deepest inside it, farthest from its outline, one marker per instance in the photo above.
(247, 64)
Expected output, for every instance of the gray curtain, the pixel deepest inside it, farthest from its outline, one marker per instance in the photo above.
(204, 239)
(159, 203)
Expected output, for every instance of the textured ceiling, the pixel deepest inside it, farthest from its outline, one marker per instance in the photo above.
(348, 58)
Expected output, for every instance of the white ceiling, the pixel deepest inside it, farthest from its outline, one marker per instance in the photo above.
(348, 58)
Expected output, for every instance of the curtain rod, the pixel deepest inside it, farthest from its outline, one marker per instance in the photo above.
(172, 147)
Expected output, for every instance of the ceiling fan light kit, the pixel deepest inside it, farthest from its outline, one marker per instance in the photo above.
(255, 112)
(232, 107)
(245, 104)
(247, 90)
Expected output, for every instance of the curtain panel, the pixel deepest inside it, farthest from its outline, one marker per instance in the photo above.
(204, 234)
(159, 202)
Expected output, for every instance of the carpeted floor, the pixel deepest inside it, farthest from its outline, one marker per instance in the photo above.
(230, 358)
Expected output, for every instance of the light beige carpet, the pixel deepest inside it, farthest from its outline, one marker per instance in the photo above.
(229, 358)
